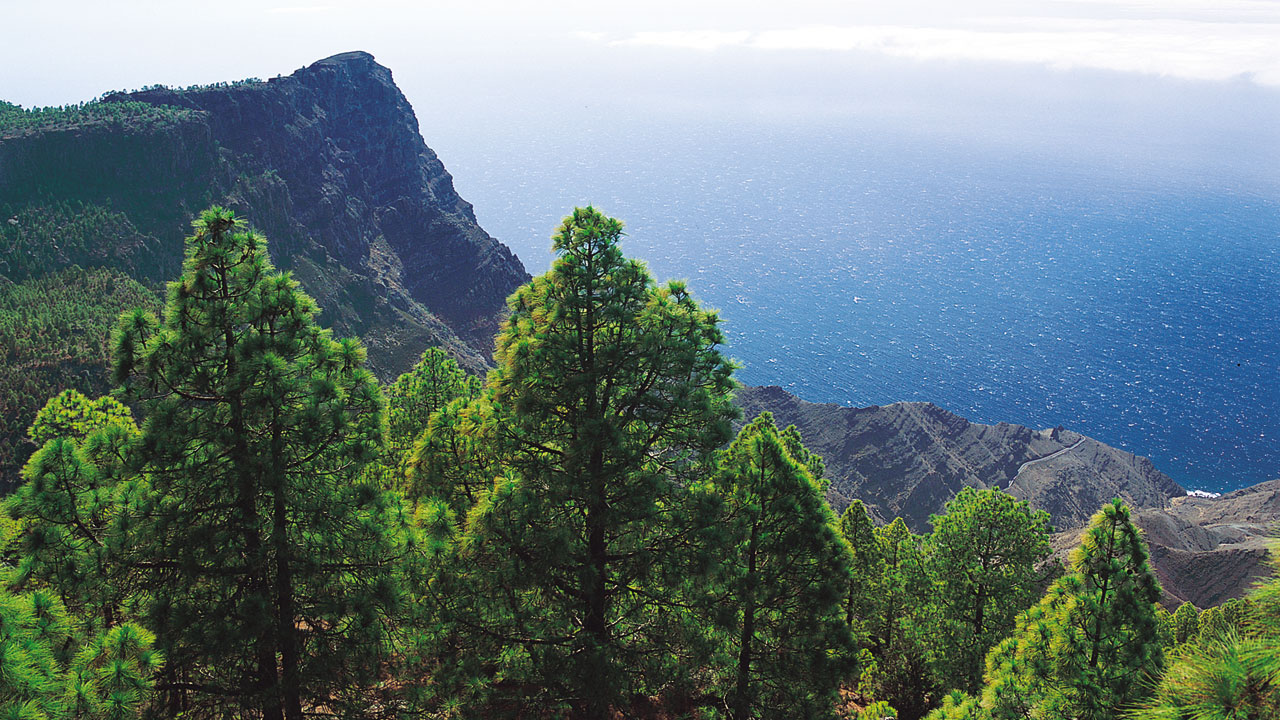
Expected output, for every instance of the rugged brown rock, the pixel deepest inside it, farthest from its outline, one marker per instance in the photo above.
(908, 459)
(1208, 550)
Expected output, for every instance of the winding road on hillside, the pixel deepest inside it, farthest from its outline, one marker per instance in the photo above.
(1046, 458)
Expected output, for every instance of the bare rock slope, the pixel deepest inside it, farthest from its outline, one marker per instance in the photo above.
(908, 459)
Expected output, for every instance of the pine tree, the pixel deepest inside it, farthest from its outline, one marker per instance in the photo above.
(608, 396)
(1090, 649)
(455, 459)
(71, 502)
(269, 564)
(1186, 623)
(1235, 610)
(865, 594)
(787, 571)
(1212, 626)
(904, 634)
(73, 416)
(432, 384)
(984, 551)
(1164, 627)
(49, 672)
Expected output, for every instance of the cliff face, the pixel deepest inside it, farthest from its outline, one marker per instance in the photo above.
(908, 459)
(362, 184)
(1207, 550)
(327, 162)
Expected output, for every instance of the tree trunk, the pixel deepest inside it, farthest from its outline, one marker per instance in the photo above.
(742, 696)
(268, 672)
(286, 628)
(596, 706)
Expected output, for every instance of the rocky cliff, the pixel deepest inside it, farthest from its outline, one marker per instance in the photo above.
(907, 459)
(328, 163)
(1207, 550)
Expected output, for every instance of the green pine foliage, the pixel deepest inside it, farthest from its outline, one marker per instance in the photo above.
(985, 550)
(55, 334)
(455, 460)
(413, 399)
(879, 710)
(73, 416)
(1235, 611)
(576, 541)
(608, 399)
(415, 396)
(48, 671)
(904, 633)
(1232, 674)
(1213, 627)
(51, 235)
(865, 594)
(70, 504)
(16, 121)
(1186, 623)
(786, 570)
(271, 576)
(1165, 628)
(1090, 649)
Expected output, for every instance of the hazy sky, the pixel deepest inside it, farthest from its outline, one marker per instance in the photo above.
(1197, 78)
(52, 52)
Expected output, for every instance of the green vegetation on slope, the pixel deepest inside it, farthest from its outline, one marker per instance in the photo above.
(570, 539)
(40, 238)
(16, 120)
(55, 334)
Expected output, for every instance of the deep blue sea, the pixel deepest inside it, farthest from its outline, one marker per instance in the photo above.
(861, 265)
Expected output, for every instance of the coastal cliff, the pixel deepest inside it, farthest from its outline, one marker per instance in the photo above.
(328, 163)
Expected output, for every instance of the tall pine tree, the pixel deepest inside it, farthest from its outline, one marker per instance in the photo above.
(904, 633)
(984, 551)
(1090, 649)
(787, 571)
(609, 395)
(269, 565)
(434, 382)
(865, 594)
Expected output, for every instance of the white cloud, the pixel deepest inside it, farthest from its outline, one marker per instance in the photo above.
(689, 39)
(299, 9)
(1256, 9)
(1189, 49)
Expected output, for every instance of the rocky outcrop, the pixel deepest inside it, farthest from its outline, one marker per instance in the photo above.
(327, 162)
(346, 144)
(907, 459)
(1207, 550)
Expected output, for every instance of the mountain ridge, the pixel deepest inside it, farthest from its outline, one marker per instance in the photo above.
(908, 458)
(328, 163)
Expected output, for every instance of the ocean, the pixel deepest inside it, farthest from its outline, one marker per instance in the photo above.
(860, 264)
